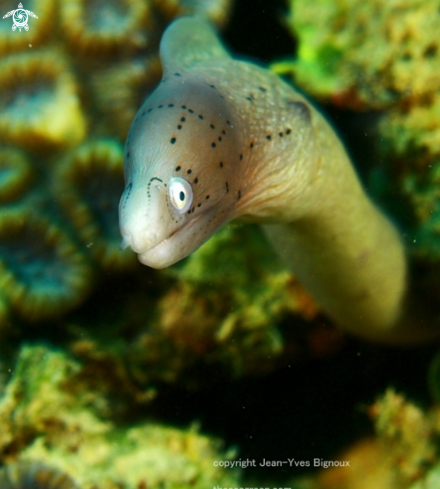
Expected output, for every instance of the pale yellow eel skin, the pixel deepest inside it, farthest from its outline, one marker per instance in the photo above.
(221, 139)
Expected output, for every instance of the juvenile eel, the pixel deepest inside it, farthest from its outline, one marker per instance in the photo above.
(221, 139)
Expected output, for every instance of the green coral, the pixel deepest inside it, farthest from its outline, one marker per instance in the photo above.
(365, 54)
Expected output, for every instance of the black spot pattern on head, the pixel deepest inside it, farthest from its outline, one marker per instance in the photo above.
(200, 116)
(251, 145)
(160, 106)
(189, 172)
(207, 197)
(223, 132)
(221, 164)
(178, 168)
(179, 127)
(239, 194)
(288, 131)
(268, 137)
(262, 89)
(280, 134)
(219, 138)
(128, 154)
(172, 140)
(212, 126)
(182, 119)
(196, 180)
(177, 74)
(143, 113)
(170, 105)
(213, 145)
(241, 157)
(184, 107)
(212, 86)
(190, 111)
(150, 109)
(227, 187)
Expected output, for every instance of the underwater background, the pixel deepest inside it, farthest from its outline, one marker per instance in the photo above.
(114, 375)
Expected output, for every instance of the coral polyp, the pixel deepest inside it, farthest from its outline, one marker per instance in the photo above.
(39, 106)
(97, 27)
(89, 184)
(42, 271)
(30, 474)
(216, 10)
(119, 91)
(15, 174)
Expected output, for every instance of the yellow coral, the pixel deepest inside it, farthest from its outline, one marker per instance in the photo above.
(39, 107)
(96, 27)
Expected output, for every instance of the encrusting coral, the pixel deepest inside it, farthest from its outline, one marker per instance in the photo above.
(48, 414)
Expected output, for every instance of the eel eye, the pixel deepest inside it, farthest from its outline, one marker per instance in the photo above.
(181, 194)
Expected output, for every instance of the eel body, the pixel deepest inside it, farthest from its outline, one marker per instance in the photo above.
(221, 139)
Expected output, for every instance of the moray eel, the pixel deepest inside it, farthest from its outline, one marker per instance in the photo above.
(221, 139)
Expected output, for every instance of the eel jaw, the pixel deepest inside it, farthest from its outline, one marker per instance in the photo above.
(184, 240)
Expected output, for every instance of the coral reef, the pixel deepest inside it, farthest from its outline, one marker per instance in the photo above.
(48, 415)
(28, 474)
(376, 56)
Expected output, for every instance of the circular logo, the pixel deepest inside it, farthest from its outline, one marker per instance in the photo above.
(20, 17)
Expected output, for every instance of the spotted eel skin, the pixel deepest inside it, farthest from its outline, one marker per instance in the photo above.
(221, 139)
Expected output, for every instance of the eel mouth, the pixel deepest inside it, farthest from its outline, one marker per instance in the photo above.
(176, 246)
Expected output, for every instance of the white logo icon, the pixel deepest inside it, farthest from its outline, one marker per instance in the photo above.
(20, 17)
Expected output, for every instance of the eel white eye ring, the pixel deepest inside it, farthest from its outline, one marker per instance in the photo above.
(181, 194)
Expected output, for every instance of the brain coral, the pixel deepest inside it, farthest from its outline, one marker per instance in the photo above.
(69, 87)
